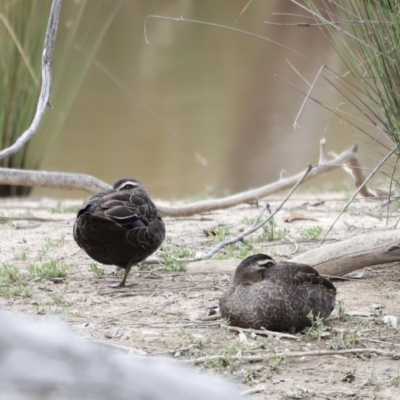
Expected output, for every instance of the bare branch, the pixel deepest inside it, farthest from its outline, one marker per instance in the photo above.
(261, 332)
(44, 96)
(60, 180)
(225, 243)
(52, 180)
(317, 353)
(374, 171)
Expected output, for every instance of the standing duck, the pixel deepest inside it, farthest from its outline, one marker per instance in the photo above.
(276, 296)
(120, 226)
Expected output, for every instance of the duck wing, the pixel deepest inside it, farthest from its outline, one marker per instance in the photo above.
(119, 227)
(309, 291)
(131, 210)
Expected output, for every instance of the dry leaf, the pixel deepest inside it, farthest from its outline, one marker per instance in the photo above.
(299, 217)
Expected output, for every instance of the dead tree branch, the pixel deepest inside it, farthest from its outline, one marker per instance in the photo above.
(361, 187)
(317, 353)
(257, 225)
(51, 180)
(59, 180)
(337, 259)
(43, 101)
(362, 251)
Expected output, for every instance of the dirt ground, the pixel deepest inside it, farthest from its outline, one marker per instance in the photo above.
(170, 313)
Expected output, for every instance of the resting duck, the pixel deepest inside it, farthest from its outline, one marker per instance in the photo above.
(276, 296)
(120, 226)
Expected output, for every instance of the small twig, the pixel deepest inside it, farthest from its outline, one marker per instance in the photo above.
(114, 346)
(295, 125)
(386, 284)
(296, 246)
(379, 341)
(374, 171)
(44, 96)
(173, 351)
(60, 180)
(253, 228)
(261, 332)
(308, 24)
(37, 219)
(251, 391)
(211, 317)
(134, 310)
(317, 353)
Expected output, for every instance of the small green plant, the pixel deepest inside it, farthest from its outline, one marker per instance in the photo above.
(145, 267)
(21, 256)
(311, 233)
(236, 250)
(48, 244)
(97, 271)
(182, 252)
(247, 220)
(171, 263)
(269, 229)
(51, 269)
(341, 310)
(221, 232)
(349, 227)
(389, 294)
(62, 208)
(13, 282)
(317, 326)
(350, 208)
(343, 340)
(58, 299)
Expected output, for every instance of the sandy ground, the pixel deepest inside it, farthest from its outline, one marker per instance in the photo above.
(169, 314)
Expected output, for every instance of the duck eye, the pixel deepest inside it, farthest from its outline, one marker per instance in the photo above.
(128, 186)
(265, 263)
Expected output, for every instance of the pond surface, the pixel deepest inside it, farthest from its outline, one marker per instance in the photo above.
(199, 107)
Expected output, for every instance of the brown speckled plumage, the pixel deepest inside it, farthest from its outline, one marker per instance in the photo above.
(276, 296)
(120, 226)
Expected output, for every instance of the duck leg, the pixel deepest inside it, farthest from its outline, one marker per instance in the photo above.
(122, 283)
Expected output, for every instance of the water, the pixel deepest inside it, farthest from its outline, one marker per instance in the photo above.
(216, 90)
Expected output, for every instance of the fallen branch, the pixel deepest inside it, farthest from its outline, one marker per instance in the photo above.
(59, 180)
(43, 101)
(317, 353)
(372, 248)
(256, 225)
(261, 332)
(51, 180)
(360, 188)
(337, 259)
(36, 219)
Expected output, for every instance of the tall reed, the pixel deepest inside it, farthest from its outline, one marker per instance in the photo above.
(22, 29)
(366, 34)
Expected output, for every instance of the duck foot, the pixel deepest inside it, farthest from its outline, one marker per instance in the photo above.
(120, 285)
(123, 282)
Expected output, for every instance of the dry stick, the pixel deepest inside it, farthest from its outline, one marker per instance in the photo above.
(295, 125)
(256, 194)
(261, 332)
(379, 341)
(225, 243)
(36, 219)
(251, 391)
(344, 22)
(374, 171)
(88, 183)
(316, 353)
(390, 190)
(43, 101)
(54, 180)
(114, 346)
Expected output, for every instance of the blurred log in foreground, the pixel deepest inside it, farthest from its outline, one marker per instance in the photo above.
(44, 361)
